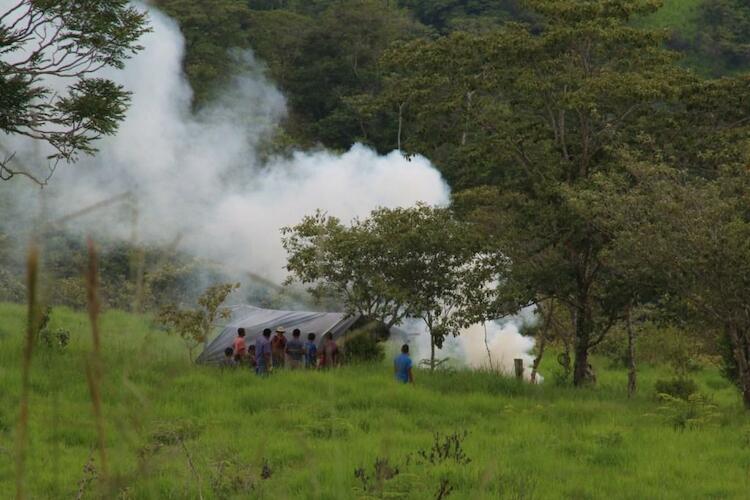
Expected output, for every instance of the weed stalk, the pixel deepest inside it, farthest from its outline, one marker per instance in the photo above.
(94, 363)
(32, 276)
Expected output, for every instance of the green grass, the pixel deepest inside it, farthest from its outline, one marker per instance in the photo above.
(678, 15)
(312, 430)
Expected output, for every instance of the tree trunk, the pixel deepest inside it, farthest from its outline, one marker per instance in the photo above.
(400, 122)
(741, 350)
(632, 382)
(584, 327)
(538, 359)
(546, 321)
(432, 352)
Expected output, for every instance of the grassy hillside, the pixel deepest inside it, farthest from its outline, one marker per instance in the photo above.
(174, 430)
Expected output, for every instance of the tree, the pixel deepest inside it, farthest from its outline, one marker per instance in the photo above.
(698, 233)
(725, 37)
(49, 91)
(335, 63)
(417, 262)
(365, 266)
(452, 276)
(551, 115)
(211, 28)
(194, 325)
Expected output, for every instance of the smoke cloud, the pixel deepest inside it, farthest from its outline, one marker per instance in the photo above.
(201, 177)
(493, 345)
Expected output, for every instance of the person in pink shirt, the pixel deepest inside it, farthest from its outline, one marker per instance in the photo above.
(239, 345)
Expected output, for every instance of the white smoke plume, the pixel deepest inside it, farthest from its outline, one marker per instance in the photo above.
(493, 345)
(201, 177)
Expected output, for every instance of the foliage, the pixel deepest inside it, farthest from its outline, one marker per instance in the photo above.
(363, 346)
(449, 15)
(446, 449)
(699, 232)
(680, 387)
(194, 325)
(534, 122)
(210, 28)
(49, 90)
(416, 262)
(727, 31)
(693, 412)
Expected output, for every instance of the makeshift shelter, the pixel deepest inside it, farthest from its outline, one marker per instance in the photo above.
(254, 320)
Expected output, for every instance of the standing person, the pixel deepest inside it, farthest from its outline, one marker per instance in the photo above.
(228, 359)
(295, 350)
(240, 347)
(311, 351)
(278, 346)
(402, 366)
(251, 361)
(263, 353)
(329, 352)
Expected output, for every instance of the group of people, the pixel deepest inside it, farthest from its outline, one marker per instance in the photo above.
(267, 353)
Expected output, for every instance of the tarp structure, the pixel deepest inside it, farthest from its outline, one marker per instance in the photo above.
(254, 320)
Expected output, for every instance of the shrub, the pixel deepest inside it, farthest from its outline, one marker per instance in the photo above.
(57, 339)
(681, 388)
(691, 413)
(362, 346)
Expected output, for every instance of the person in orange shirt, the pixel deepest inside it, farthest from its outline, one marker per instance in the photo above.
(240, 347)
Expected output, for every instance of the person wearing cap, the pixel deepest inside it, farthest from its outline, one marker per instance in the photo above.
(263, 353)
(278, 346)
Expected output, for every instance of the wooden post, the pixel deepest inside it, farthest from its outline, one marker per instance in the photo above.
(518, 364)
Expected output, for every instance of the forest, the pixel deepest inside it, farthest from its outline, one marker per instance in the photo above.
(579, 169)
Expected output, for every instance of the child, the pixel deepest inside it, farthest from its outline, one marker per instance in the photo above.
(311, 351)
(228, 361)
(251, 361)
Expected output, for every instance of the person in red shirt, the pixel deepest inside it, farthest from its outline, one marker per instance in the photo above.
(240, 347)
(329, 352)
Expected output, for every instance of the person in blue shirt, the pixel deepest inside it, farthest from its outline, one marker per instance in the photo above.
(311, 351)
(402, 366)
(263, 353)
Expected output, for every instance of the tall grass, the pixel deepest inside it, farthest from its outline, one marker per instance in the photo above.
(306, 433)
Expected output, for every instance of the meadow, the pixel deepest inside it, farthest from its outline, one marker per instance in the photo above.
(176, 430)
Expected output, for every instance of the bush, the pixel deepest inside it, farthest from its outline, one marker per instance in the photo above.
(691, 413)
(681, 388)
(57, 339)
(362, 346)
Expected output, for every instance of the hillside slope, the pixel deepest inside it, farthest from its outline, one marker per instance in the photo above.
(174, 430)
